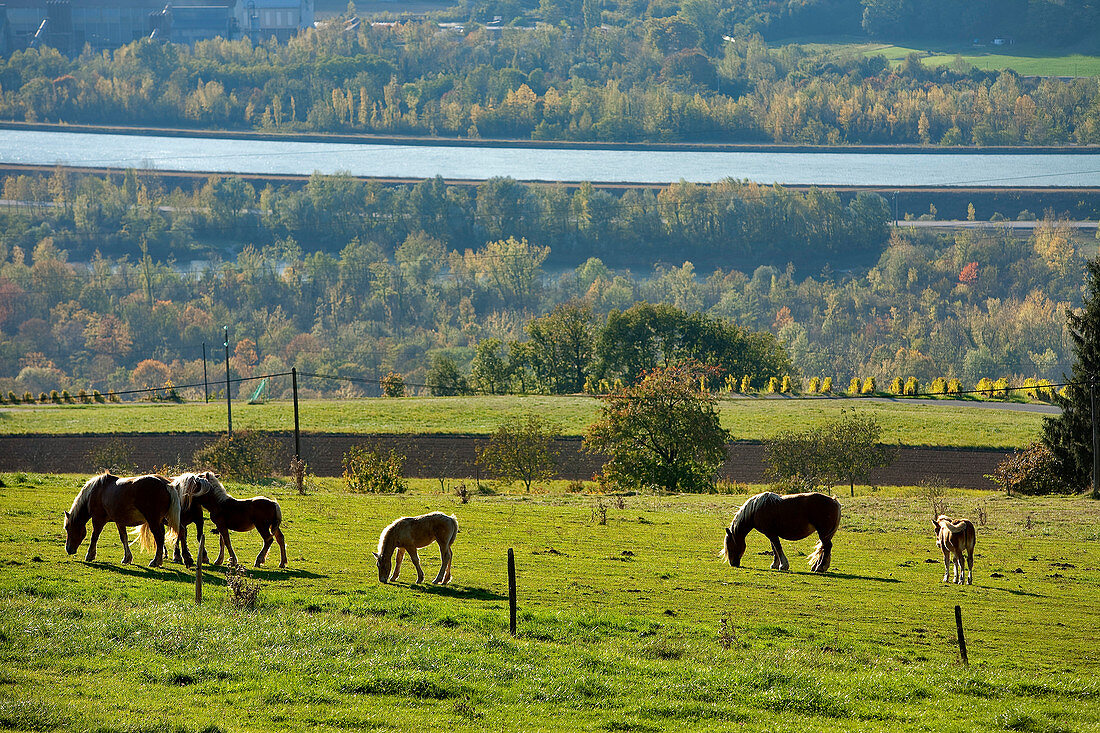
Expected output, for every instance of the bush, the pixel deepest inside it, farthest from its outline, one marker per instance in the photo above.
(746, 384)
(43, 397)
(954, 387)
(28, 398)
(82, 395)
(827, 385)
(367, 470)
(773, 385)
(12, 398)
(247, 456)
(814, 386)
(787, 387)
(912, 386)
(939, 387)
(1034, 471)
(55, 397)
(244, 590)
(1000, 388)
(868, 386)
(97, 396)
(853, 386)
(895, 386)
(393, 385)
(114, 456)
(985, 387)
(112, 396)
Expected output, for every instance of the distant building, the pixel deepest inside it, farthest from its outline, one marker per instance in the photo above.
(69, 25)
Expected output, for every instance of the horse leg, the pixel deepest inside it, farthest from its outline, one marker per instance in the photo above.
(127, 556)
(946, 563)
(970, 566)
(157, 528)
(282, 545)
(181, 543)
(96, 529)
(397, 563)
(824, 556)
(450, 556)
(266, 534)
(780, 561)
(229, 546)
(222, 536)
(444, 563)
(416, 564)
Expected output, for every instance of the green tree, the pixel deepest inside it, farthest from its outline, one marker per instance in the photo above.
(489, 370)
(561, 347)
(521, 449)
(1069, 435)
(854, 448)
(662, 432)
(444, 379)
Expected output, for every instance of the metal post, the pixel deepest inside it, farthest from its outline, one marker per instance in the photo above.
(297, 437)
(205, 383)
(511, 591)
(228, 398)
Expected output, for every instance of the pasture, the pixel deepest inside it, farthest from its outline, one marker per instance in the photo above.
(1019, 58)
(912, 423)
(632, 625)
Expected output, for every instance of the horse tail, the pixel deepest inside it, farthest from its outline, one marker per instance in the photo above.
(822, 556)
(174, 511)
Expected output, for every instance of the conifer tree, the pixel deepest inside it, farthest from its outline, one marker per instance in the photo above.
(1069, 435)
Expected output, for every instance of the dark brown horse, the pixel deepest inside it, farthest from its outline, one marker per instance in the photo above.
(239, 515)
(144, 501)
(791, 517)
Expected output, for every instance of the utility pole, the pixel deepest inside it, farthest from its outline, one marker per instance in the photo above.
(1095, 443)
(205, 383)
(228, 398)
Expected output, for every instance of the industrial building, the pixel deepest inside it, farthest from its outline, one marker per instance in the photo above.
(70, 25)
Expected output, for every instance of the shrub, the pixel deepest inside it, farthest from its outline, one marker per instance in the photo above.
(66, 397)
(43, 397)
(732, 384)
(244, 590)
(28, 398)
(367, 470)
(954, 387)
(55, 397)
(746, 384)
(912, 386)
(827, 385)
(112, 396)
(12, 398)
(521, 449)
(299, 470)
(814, 386)
(985, 387)
(853, 386)
(82, 395)
(97, 396)
(393, 385)
(773, 385)
(895, 386)
(114, 456)
(1033, 471)
(868, 386)
(1000, 388)
(247, 456)
(939, 387)
(787, 387)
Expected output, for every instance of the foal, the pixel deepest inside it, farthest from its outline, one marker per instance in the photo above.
(239, 515)
(953, 538)
(409, 533)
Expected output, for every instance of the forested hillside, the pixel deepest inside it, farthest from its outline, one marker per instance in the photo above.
(455, 283)
(674, 75)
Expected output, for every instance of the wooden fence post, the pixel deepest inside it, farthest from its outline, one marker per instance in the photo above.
(962, 639)
(511, 591)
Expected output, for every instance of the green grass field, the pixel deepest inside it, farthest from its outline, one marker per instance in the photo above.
(630, 626)
(909, 423)
(1024, 61)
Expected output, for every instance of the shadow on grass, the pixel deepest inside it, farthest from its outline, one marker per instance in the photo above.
(455, 591)
(850, 576)
(210, 573)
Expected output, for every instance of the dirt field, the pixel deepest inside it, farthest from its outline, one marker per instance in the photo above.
(452, 456)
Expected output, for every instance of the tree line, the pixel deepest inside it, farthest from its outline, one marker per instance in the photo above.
(674, 77)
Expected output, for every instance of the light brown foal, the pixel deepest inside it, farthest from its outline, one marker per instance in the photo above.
(953, 537)
(407, 534)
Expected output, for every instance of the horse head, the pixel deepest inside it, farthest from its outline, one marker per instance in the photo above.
(734, 548)
(74, 533)
(384, 565)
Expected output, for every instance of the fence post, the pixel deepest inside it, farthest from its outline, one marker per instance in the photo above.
(297, 439)
(962, 639)
(511, 592)
(205, 383)
(228, 398)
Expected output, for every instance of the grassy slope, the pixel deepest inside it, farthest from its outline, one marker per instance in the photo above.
(1027, 62)
(749, 419)
(618, 628)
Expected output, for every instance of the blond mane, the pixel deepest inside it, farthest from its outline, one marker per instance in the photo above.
(85, 493)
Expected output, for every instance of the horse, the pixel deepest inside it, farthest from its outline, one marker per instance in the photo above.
(239, 515)
(409, 533)
(188, 515)
(138, 500)
(953, 536)
(791, 517)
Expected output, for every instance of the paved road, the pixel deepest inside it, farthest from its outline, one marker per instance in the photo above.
(1084, 225)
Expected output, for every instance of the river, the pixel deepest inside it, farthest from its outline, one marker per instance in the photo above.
(236, 156)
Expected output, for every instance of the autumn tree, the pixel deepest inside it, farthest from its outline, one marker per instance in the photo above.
(521, 450)
(661, 433)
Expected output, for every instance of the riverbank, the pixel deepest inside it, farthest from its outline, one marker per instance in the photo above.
(370, 139)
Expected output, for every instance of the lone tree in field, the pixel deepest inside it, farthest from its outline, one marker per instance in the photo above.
(1069, 435)
(661, 432)
(840, 451)
(521, 450)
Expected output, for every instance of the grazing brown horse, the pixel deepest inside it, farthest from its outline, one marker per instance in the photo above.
(791, 517)
(407, 534)
(239, 515)
(128, 502)
(953, 537)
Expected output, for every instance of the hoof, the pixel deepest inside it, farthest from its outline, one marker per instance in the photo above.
(282, 564)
